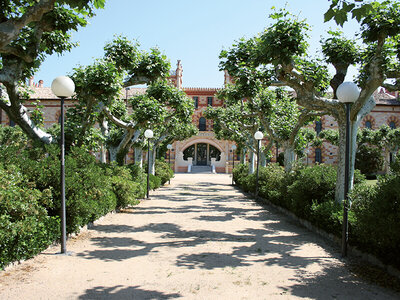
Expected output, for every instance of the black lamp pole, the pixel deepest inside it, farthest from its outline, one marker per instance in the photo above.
(169, 163)
(63, 87)
(258, 163)
(148, 168)
(345, 230)
(63, 210)
(233, 164)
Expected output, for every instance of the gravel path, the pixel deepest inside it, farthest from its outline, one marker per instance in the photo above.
(198, 238)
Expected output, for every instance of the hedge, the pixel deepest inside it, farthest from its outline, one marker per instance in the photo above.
(374, 217)
(30, 192)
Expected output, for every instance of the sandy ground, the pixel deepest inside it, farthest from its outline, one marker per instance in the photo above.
(199, 238)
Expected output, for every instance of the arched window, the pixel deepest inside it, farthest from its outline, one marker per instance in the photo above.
(12, 123)
(318, 155)
(202, 124)
(368, 124)
(215, 153)
(392, 125)
(188, 152)
(318, 127)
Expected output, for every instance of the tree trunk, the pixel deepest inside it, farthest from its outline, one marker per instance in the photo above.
(263, 160)
(153, 160)
(243, 156)
(19, 114)
(354, 124)
(139, 157)
(252, 164)
(289, 156)
(103, 148)
(113, 153)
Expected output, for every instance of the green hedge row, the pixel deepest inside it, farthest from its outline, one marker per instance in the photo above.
(30, 192)
(374, 217)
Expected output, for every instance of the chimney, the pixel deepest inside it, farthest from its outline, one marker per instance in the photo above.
(31, 81)
(40, 83)
(179, 71)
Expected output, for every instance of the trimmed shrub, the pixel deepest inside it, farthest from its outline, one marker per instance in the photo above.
(271, 178)
(122, 185)
(240, 172)
(25, 227)
(314, 184)
(163, 170)
(369, 160)
(328, 215)
(377, 213)
(138, 176)
(155, 182)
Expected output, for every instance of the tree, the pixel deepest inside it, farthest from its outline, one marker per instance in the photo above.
(29, 31)
(276, 111)
(339, 9)
(176, 123)
(279, 57)
(99, 91)
(385, 139)
(236, 122)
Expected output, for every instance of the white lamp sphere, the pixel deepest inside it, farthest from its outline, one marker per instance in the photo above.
(258, 135)
(63, 86)
(169, 146)
(148, 133)
(347, 92)
(234, 147)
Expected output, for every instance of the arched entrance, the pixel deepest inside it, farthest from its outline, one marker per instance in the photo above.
(202, 154)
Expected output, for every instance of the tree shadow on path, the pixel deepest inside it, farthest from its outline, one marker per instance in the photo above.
(120, 292)
(275, 241)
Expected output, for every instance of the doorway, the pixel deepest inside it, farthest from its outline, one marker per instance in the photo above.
(201, 158)
(202, 154)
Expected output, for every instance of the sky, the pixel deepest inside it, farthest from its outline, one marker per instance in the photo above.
(190, 30)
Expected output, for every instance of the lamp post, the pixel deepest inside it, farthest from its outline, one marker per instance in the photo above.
(258, 136)
(233, 161)
(347, 93)
(63, 87)
(169, 147)
(148, 134)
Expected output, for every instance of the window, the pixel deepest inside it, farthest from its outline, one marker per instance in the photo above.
(318, 127)
(12, 123)
(202, 124)
(196, 102)
(392, 125)
(210, 101)
(215, 153)
(368, 124)
(318, 155)
(188, 152)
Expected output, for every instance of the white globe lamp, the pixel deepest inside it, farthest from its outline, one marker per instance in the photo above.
(347, 92)
(148, 133)
(258, 135)
(63, 87)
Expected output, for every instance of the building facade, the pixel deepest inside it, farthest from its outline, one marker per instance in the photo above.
(204, 149)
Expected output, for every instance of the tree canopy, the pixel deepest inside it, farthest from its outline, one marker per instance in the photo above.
(30, 30)
(278, 57)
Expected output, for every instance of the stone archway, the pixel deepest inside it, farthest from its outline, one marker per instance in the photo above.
(202, 154)
(210, 145)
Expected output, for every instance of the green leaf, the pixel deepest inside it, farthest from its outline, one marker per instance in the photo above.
(340, 17)
(329, 15)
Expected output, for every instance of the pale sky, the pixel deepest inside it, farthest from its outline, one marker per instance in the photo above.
(193, 31)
